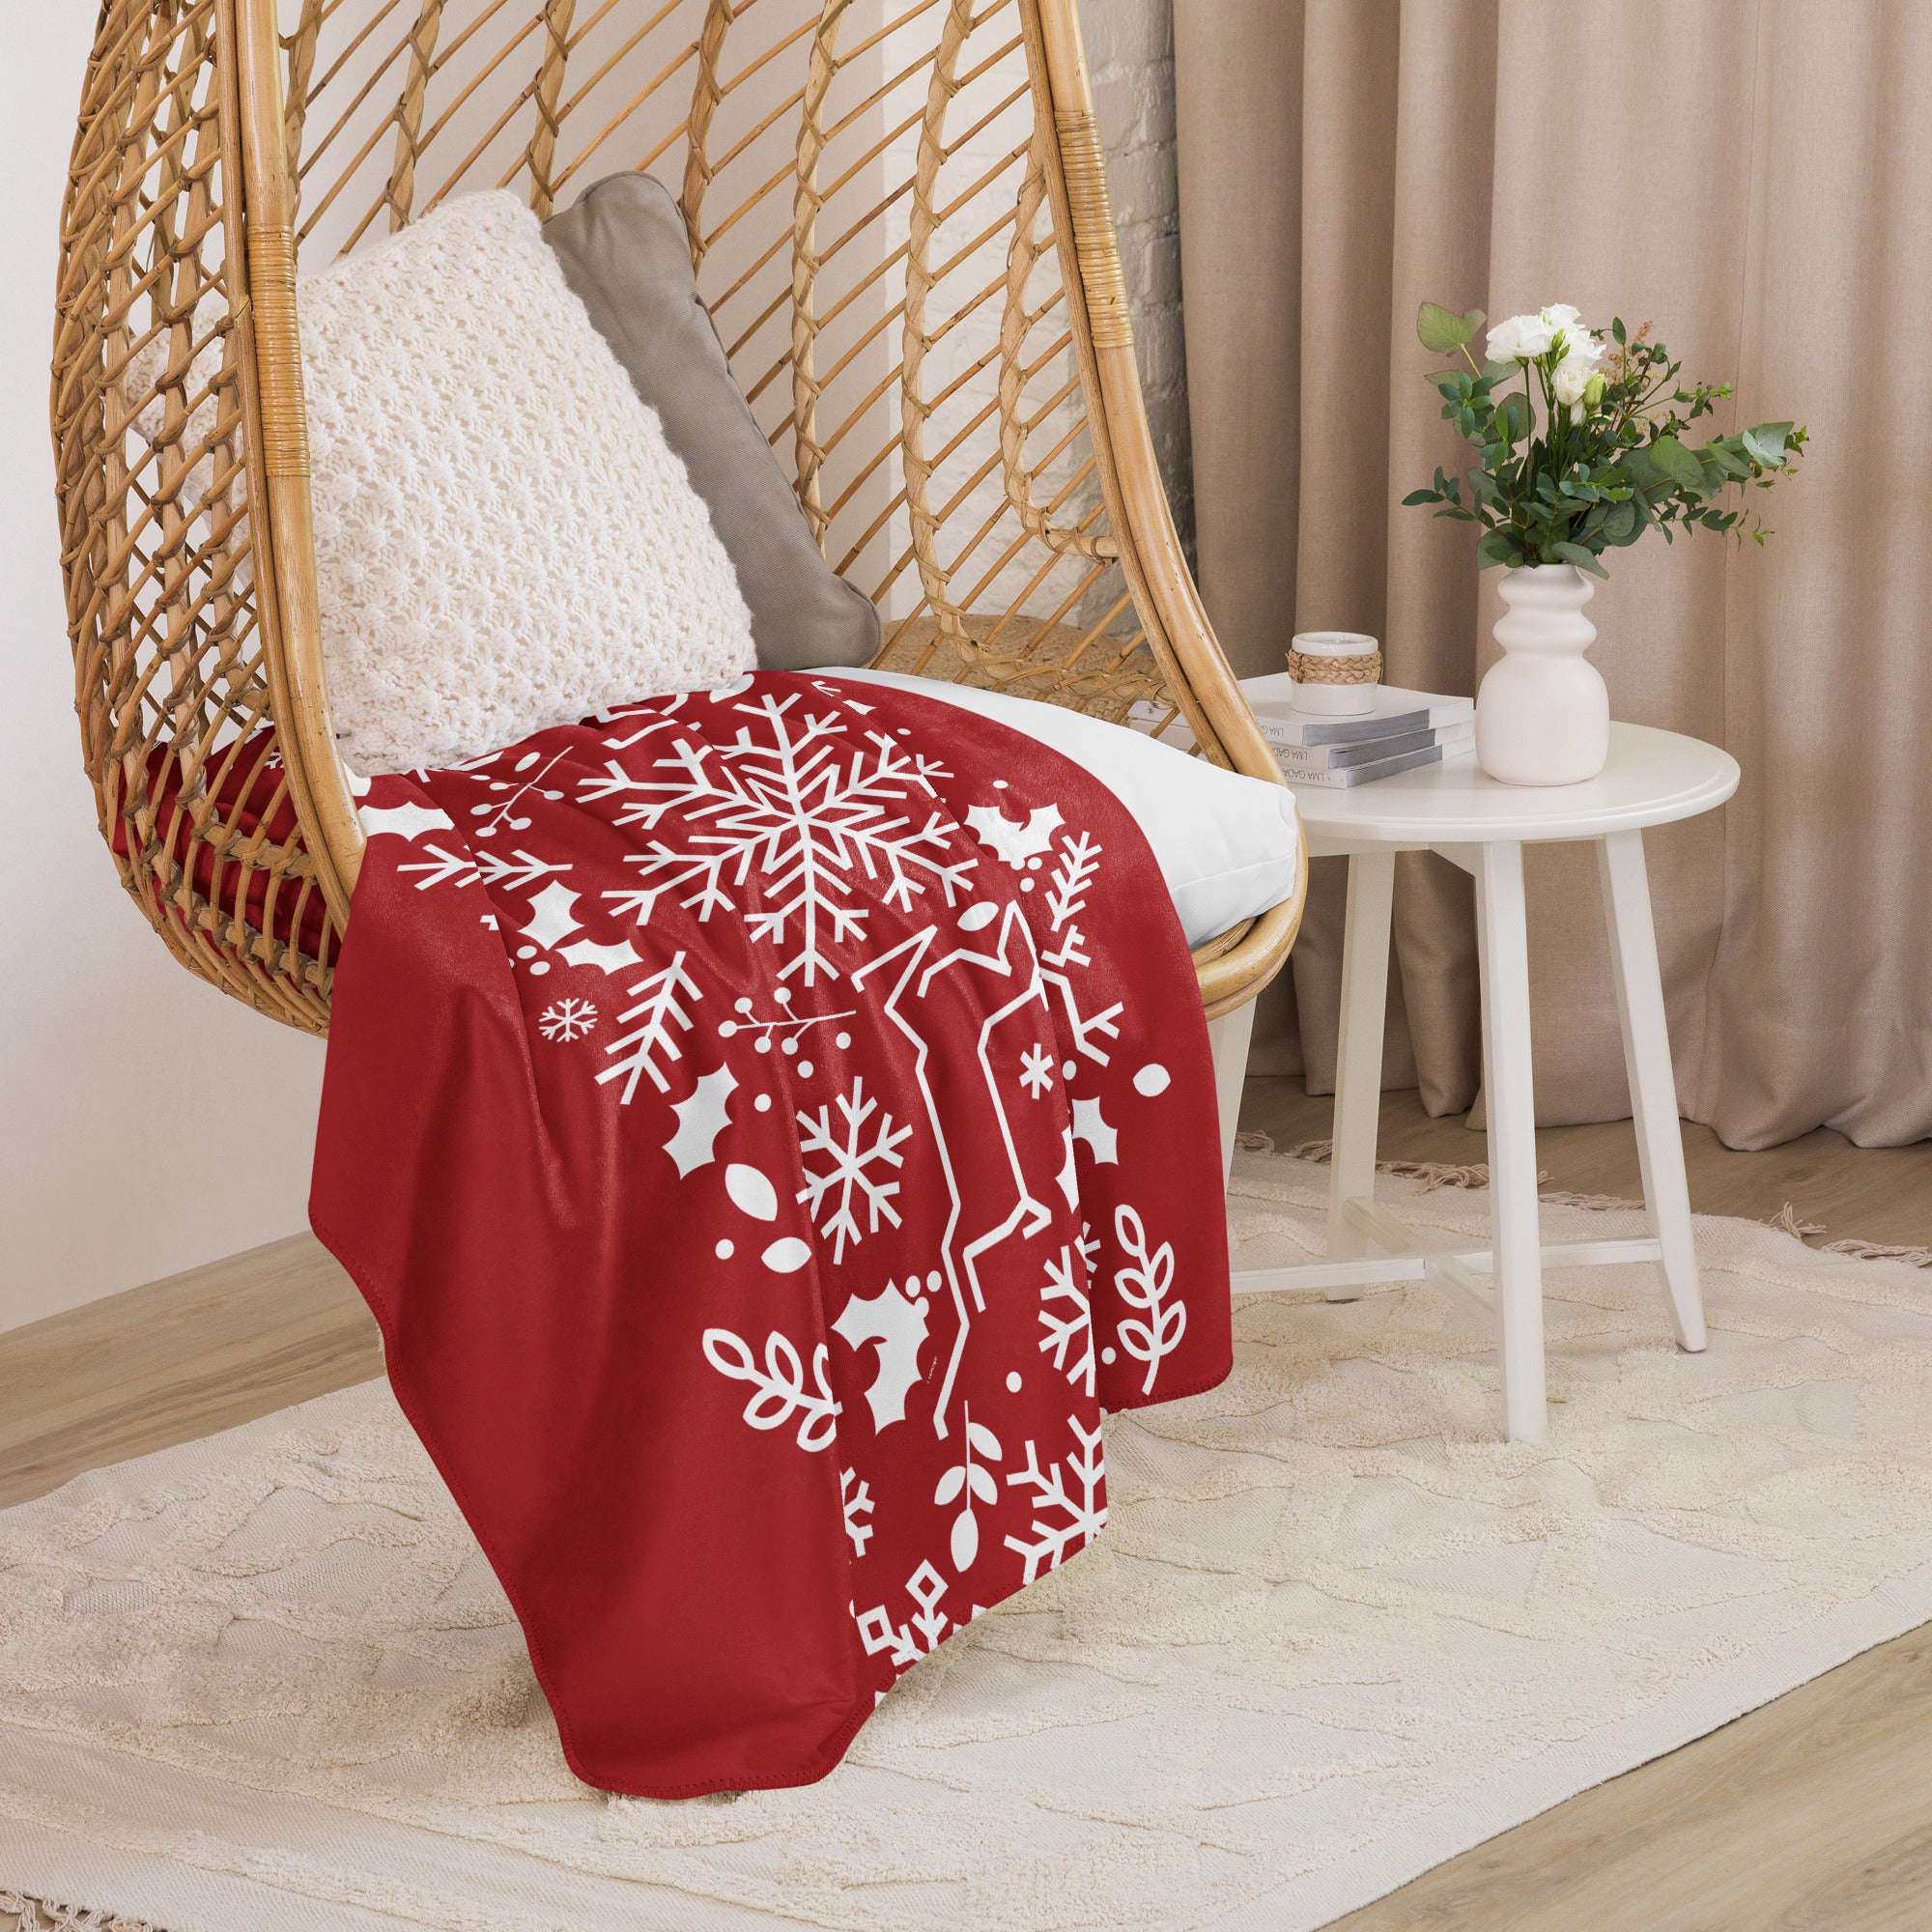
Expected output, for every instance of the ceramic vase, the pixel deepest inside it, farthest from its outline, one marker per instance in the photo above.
(1543, 711)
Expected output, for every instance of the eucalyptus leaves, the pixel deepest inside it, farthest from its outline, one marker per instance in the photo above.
(1590, 452)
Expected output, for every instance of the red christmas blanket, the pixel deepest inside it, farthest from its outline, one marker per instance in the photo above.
(771, 1126)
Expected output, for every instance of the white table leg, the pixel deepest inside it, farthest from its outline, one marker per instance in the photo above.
(1228, 1041)
(1660, 1138)
(1358, 1063)
(1503, 940)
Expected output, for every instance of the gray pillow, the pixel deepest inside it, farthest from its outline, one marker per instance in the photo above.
(624, 250)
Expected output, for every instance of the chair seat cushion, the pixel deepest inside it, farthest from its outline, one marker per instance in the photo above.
(626, 254)
(1228, 846)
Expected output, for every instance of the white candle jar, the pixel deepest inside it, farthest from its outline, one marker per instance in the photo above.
(1336, 674)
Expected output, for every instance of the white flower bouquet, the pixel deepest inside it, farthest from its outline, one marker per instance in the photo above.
(1590, 452)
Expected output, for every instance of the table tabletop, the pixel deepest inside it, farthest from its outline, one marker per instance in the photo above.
(1651, 777)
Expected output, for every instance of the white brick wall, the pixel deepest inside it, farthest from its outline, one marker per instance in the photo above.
(1130, 58)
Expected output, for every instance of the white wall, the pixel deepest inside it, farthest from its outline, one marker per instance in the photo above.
(147, 1122)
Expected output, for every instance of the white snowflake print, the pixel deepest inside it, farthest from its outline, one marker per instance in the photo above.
(920, 1635)
(1069, 1335)
(1069, 1513)
(856, 1500)
(1037, 1069)
(1085, 1028)
(567, 1019)
(1144, 1284)
(794, 801)
(660, 1015)
(829, 1192)
(780, 1386)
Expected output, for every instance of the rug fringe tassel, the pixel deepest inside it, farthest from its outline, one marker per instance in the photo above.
(1431, 1174)
(1788, 1221)
(1435, 1174)
(47, 1915)
(1879, 1251)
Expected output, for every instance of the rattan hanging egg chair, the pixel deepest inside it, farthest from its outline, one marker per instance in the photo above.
(901, 222)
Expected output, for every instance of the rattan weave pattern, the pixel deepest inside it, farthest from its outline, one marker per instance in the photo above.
(898, 215)
(1363, 669)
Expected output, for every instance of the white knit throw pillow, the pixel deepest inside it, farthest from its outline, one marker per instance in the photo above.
(503, 539)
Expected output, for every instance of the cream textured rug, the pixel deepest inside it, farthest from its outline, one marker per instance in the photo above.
(1336, 1632)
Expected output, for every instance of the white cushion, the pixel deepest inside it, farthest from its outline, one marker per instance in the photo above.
(505, 541)
(1228, 846)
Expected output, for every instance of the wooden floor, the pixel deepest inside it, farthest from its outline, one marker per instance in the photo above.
(1872, 1193)
(1812, 1814)
(202, 1352)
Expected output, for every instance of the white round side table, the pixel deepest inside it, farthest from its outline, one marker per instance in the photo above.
(1651, 778)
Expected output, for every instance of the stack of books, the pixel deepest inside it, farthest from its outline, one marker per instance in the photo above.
(1405, 730)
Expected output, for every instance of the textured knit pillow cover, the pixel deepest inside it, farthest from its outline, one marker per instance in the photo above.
(504, 540)
(625, 251)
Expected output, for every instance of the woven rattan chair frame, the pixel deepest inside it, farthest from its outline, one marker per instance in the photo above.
(899, 216)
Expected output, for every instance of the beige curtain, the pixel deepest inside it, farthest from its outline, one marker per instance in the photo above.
(1755, 175)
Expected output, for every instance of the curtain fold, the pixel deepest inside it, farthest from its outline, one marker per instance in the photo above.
(1756, 179)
